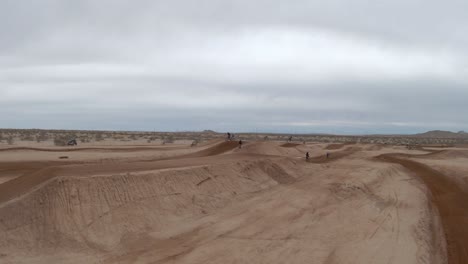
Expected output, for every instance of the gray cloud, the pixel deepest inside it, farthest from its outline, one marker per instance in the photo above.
(307, 66)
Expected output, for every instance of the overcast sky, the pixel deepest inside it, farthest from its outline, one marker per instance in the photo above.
(334, 66)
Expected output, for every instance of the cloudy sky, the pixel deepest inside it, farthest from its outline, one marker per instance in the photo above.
(335, 66)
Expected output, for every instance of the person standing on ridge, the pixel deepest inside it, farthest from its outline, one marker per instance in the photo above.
(229, 136)
(307, 156)
(240, 144)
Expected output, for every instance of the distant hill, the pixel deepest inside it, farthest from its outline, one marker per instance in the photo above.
(442, 134)
(209, 131)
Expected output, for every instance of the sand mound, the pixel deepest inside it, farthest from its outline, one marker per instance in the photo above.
(96, 213)
(217, 149)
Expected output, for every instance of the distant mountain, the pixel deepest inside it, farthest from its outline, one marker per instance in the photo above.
(442, 134)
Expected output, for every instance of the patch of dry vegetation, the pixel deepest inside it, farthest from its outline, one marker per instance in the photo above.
(61, 137)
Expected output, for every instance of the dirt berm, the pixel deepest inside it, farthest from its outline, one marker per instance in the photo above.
(451, 201)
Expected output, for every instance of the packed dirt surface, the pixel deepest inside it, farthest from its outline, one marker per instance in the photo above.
(451, 201)
(446, 174)
(219, 202)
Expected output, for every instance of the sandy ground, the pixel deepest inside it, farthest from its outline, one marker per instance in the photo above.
(216, 203)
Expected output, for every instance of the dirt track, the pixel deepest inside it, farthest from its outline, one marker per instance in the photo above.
(73, 149)
(334, 156)
(451, 202)
(221, 204)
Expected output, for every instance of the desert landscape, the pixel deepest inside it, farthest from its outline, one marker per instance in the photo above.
(233, 132)
(196, 197)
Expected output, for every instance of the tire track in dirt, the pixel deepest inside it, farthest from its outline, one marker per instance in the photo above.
(451, 201)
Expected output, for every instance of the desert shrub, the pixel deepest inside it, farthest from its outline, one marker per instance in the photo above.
(27, 136)
(152, 138)
(168, 139)
(98, 136)
(42, 136)
(60, 140)
(10, 140)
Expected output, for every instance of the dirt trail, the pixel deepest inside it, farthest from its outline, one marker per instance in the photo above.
(74, 149)
(451, 201)
(334, 156)
(22, 167)
(290, 145)
(11, 170)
